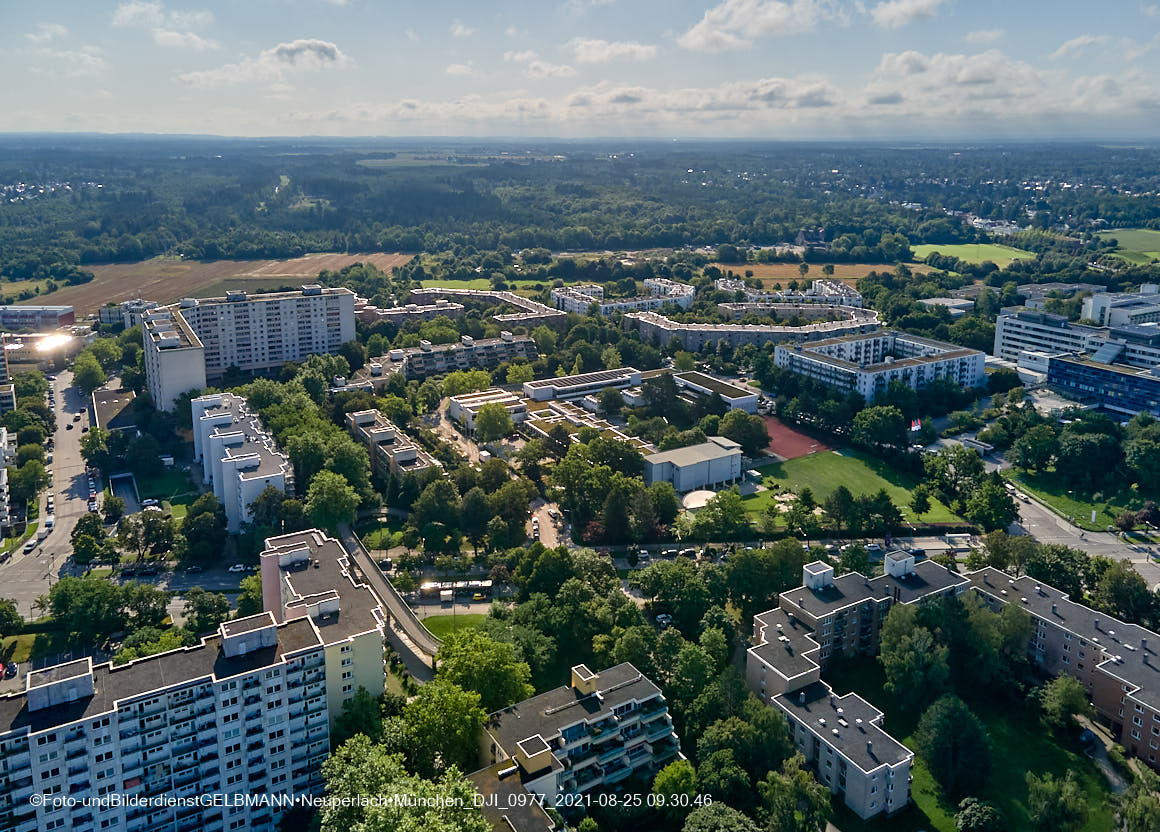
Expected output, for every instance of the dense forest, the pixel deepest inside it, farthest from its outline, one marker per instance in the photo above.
(72, 201)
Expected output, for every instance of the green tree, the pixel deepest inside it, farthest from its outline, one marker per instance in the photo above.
(976, 815)
(330, 500)
(87, 373)
(915, 664)
(1122, 592)
(1064, 698)
(684, 362)
(1055, 804)
(545, 338)
(204, 528)
(718, 817)
(879, 427)
(719, 775)
(474, 514)
(855, 558)
(442, 725)
(991, 506)
(954, 744)
(666, 503)
(250, 599)
(90, 608)
(520, 373)
(792, 799)
(204, 611)
(493, 422)
(11, 622)
(113, 508)
(266, 508)
(723, 517)
(26, 453)
(610, 357)
(493, 669)
(675, 784)
(920, 500)
(746, 430)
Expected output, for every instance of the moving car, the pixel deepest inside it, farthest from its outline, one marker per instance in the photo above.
(237, 567)
(479, 596)
(192, 570)
(30, 545)
(150, 502)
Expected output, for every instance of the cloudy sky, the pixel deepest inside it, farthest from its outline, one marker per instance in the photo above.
(733, 68)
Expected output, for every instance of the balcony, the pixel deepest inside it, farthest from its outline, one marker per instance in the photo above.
(659, 730)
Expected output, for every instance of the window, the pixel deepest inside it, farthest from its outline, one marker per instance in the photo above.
(347, 662)
(346, 648)
(347, 688)
(348, 674)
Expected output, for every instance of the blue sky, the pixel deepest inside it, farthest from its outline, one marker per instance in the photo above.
(783, 69)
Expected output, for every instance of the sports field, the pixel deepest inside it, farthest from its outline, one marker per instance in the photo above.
(788, 442)
(1137, 245)
(823, 472)
(975, 252)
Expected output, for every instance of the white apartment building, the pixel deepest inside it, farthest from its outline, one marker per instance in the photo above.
(253, 333)
(1028, 336)
(531, 312)
(239, 459)
(833, 292)
(247, 711)
(868, 363)
(577, 299)
(661, 291)
(391, 451)
(398, 315)
(656, 328)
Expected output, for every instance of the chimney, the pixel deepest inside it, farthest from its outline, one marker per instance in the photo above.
(1054, 609)
(1096, 623)
(869, 746)
(1144, 644)
(802, 698)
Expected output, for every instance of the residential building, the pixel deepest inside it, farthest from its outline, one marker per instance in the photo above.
(463, 409)
(841, 736)
(833, 292)
(571, 387)
(7, 398)
(955, 307)
(398, 315)
(36, 318)
(657, 329)
(867, 364)
(737, 398)
(5, 498)
(660, 292)
(1124, 308)
(1115, 387)
(820, 312)
(252, 333)
(239, 458)
(114, 410)
(1037, 294)
(468, 354)
(592, 733)
(391, 451)
(174, 357)
(127, 313)
(709, 464)
(577, 299)
(532, 312)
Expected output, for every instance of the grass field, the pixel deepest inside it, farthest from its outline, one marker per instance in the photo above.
(172, 487)
(1047, 488)
(441, 626)
(1137, 245)
(975, 252)
(378, 535)
(1019, 745)
(823, 472)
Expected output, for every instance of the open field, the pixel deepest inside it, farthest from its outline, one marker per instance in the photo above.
(1137, 245)
(1046, 487)
(441, 626)
(849, 273)
(823, 472)
(788, 442)
(1019, 745)
(975, 252)
(166, 279)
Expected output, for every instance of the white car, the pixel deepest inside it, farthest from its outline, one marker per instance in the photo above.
(50, 521)
(237, 567)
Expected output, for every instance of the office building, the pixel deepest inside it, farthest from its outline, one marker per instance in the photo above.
(737, 398)
(841, 736)
(1124, 308)
(593, 733)
(833, 292)
(1020, 332)
(572, 387)
(709, 464)
(531, 312)
(657, 329)
(1115, 387)
(398, 315)
(391, 451)
(36, 318)
(463, 409)
(1037, 294)
(239, 459)
(252, 333)
(866, 364)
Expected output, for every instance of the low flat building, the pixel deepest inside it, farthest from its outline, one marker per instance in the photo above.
(1037, 294)
(114, 410)
(866, 364)
(1124, 308)
(593, 733)
(239, 458)
(573, 387)
(467, 354)
(547, 419)
(709, 464)
(391, 451)
(955, 307)
(736, 397)
(463, 409)
(658, 329)
(36, 318)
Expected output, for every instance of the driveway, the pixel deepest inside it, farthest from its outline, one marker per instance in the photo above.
(123, 487)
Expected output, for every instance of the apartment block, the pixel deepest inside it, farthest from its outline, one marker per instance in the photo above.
(595, 732)
(239, 459)
(841, 736)
(174, 357)
(463, 409)
(833, 292)
(128, 313)
(705, 465)
(867, 364)
(577, 299)
(36, 318)
(571, 387)
(660, 292)
(531, 312)
(398, 315)
(656, 328)
(391, 451)
(469, 354)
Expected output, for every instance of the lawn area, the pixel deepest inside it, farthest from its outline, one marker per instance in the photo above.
(975, 252)
(11, 544)
(1019, 745)
(171, 486)
(824, 471)
(441, 626)
(377, 534)
(1047, 488)
(17, 648)
(1137, 245)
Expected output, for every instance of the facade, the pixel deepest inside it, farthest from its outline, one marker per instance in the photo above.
(577, 299)
(239, 459)
(595, 732)
(867, 364)
(737, 398)
(1115, 387)
(833, 292)
(1124, 308)
(463, 409)
(571, 387)
(655, 328)
(470, 353)
(398, 315)
(36, 318)
(841, 737)
(660, 290)
(128, 313)
(391, 451)
(531, 312)
(711, 463)
(1021, 332)
(5, 501)
(174, 357)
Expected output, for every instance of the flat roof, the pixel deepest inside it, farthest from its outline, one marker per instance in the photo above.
(787, 648)
(241, 295)
(583, 379)
(113, 409)
(717, 447)
(507, 806)
(716, 385)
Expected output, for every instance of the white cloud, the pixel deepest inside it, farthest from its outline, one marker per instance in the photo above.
(734, 23)
(338, 2)
(459, 30)
(581, 6)
(75, 63)
(594, 51)
(139, 13)
(303, 55)
(1077, 45)
(1150, 9)
(186, 40)
(461, 70)
(891, 14)
(46, 32)
(520, 57)
(411, 34)
(514, 31)
(542, 69)
(983, 36)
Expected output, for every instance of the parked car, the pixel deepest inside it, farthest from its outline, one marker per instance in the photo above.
(50, 522)
(30, 545)
(478, 596)
(85, 429)
(664, 620)
(192, 570)
(150, 502)
(149, 570)
(68, 426)
(76, 417)
(873, 548)
(237, 567)
(11, 669)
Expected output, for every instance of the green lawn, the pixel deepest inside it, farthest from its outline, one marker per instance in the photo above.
(441, 626)
(17, 648)
(825, 471)
(1019, 745)
(1137, 245)
(975, 252)
(378, 535)
(1047, 487)
(172, 487)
